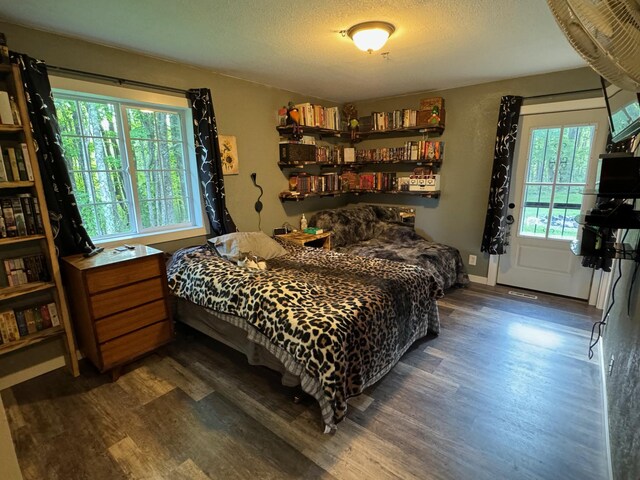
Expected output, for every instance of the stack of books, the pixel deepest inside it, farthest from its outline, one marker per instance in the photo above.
(378, 181)
(18, 323)
(27, 269)
(305, 183)
(397, 119)
(9, 114)
(15, 165)
(318, 116)
(20, 216)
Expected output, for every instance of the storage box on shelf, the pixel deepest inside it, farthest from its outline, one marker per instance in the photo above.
(32, 303)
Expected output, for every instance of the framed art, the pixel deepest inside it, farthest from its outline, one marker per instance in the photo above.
(229, 154)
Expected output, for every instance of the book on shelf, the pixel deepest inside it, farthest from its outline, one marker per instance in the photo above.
(10, 227)
(27, 210)
(27, 269)
(53, 312)
(27, 161)
(305, 183)
(20, 216)
(20, 322)
(9, 326)
(6, 112)
(311, 115)
(10, 153)
(417, 151)
(4, 175)
(22, 164)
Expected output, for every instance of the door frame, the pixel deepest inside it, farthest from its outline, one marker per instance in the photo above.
(600, 278)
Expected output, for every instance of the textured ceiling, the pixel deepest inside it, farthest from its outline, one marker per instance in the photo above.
(295, 45)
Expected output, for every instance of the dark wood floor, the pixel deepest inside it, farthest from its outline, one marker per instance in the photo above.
(505, 392)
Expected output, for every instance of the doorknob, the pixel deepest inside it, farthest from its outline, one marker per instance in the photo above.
(512, 205)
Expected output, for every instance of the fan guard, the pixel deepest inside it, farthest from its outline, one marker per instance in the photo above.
(606, 33)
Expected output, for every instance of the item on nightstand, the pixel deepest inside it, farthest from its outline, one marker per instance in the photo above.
(313, 230)
(303, 222)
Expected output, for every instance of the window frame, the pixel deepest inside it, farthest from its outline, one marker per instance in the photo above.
(129, 97)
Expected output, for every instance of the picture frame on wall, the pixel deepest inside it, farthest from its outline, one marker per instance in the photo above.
(229, 154)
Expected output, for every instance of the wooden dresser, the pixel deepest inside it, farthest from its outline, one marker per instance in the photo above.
(119, 304)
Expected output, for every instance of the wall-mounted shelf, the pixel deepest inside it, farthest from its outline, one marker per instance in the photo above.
(31, 339)
(428, 130)
(421, 163)
(294, 197)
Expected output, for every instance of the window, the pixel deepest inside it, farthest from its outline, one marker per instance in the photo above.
(555, 180)
(129, 165)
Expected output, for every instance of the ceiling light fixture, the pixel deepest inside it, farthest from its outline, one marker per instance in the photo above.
(370, 36)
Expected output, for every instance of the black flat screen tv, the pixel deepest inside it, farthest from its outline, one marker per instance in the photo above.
(624, 112)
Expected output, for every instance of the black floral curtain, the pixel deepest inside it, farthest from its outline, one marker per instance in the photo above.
(209, 161)
(496, 225)
(69, 234)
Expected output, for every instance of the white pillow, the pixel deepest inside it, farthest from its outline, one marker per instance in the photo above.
(232, 245)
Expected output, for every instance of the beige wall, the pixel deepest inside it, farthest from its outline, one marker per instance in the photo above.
(457, 218)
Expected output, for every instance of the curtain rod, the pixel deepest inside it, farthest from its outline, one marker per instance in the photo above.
(564, 93)
(120, 81)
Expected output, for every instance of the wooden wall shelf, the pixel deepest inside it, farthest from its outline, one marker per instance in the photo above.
(292, 197)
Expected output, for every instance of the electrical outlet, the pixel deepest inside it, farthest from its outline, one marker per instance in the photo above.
(472, 259)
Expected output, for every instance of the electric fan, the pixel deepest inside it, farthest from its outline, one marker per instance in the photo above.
(606, 33)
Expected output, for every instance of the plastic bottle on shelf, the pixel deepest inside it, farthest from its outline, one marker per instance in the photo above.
(303, 223)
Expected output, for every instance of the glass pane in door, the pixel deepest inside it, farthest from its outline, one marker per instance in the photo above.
(556, 175)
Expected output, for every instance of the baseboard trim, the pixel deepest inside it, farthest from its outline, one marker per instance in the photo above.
(31, 372)
(605, 405)
(478, 279)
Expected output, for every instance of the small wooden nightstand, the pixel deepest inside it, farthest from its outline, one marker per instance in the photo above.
(119, 304)
(320, 240)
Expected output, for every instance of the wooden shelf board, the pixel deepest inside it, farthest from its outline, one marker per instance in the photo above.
(307, 130)
(31, 339)
(419, 163)
(27, 238)
(287, 197)
(404, 132)
(26, 289)
(20, 184)
(360, 136)
(7, 128)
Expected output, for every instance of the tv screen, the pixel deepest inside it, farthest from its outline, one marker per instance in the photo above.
(624, 111)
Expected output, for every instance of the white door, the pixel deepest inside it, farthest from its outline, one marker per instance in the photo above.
(556, 161)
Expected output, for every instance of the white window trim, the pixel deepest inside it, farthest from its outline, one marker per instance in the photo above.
(71, 86)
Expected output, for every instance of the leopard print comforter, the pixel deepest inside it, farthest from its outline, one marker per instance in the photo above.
(346, 319)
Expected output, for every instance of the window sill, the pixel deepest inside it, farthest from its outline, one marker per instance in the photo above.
(153, 237)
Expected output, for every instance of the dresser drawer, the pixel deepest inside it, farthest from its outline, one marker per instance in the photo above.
(122, 274)
(130, 320)
(132, 345)
(120, 299)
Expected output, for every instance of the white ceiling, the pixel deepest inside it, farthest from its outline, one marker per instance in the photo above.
(295, 44)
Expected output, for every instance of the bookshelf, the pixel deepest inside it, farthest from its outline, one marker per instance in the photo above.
(42, 300)
(337, 167)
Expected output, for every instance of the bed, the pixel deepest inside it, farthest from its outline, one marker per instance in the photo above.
(378, 231)
(335, 323)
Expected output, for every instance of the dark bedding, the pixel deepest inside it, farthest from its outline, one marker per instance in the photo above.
(376, 231)
(346, 320)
